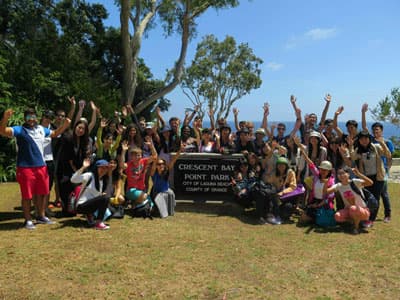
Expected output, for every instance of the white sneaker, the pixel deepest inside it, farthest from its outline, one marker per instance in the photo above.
(29, 225)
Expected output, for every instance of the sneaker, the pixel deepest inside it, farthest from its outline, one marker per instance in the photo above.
(262, 221)
(44, 220)
(29, 225)
(274, 220)
(367, 224)
(355, 231)
(386, 219)
(101, 226)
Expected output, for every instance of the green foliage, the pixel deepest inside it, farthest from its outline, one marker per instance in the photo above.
(220, 74)
(388, 109)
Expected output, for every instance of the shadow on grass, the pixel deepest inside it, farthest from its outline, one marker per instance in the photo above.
(72, 222)
(9, 215)
(7, 226)
(219, 209)
(343, 228)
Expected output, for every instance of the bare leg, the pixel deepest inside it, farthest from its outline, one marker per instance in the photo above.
(26, 208)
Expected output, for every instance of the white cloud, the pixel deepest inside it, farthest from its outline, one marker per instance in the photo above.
(315, 34)
(321, 33)
(274, 66)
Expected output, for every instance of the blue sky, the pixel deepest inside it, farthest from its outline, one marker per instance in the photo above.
(350, 49)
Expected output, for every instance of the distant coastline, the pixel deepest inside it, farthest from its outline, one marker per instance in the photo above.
(389, 129)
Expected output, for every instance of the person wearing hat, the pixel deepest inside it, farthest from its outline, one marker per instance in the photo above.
(244, 144)
(32, 174)
(315, 151)
(206, 143)
(259, 140)
(284, 181)
(368, 158)
(227, 145)
(93, 194)
(322, 178)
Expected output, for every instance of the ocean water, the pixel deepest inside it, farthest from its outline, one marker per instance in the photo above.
(389, 130)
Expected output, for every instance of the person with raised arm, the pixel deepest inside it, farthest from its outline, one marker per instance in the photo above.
(321, 176)
(93, 196)
(161, 193)
(377, 131)
(32, 174)
(137, 166)
(106, 146)
(95, 112)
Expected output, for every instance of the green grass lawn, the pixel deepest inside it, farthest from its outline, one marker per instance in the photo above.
(203, 252)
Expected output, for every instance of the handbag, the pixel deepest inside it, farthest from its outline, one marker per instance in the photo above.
(299, 191)
(325, 217)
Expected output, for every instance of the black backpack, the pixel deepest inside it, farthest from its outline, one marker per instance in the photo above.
(367, 196)
(143, 210)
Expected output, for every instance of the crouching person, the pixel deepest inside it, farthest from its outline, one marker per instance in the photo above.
(142, 205)
(355, 209)
(93, 196)
(284, 180)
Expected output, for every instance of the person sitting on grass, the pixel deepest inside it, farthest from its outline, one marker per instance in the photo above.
(355, 210)
(284, 180)
(321, 176)
(93, 196)
(137, 167)
(163, 196)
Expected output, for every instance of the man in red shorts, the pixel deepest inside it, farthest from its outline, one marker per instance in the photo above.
(32, 174)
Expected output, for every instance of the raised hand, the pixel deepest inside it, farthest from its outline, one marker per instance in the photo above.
(82, 104)
(293, 99)
(364, 108)
(125, 146)
(124, 111)
(266, 108)
(86, 163)
(339, 110)
(104, 122)
(328, 98)
(93, 106)
(235, 111)
(71, 100)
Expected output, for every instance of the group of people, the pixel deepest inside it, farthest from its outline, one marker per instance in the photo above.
(129, 161)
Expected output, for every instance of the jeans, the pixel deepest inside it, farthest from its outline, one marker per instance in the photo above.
(385, 199)
(376, 190)
(91, 205)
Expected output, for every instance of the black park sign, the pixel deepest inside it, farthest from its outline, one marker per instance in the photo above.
(205, 176)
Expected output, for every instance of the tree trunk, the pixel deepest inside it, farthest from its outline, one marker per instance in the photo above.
(178, 71)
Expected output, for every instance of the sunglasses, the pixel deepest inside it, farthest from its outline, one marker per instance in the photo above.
(30, 117)
(281, 128)
(61, 116)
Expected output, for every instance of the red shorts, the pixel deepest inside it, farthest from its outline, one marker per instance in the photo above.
(33, 181)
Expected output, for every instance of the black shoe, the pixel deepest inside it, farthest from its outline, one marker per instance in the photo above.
(262, 221)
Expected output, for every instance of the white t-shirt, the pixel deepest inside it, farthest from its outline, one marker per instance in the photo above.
(347, 192)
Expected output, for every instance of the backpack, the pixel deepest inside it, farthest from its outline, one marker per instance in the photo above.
(143, 209)
(367, 196)
(74, 196)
